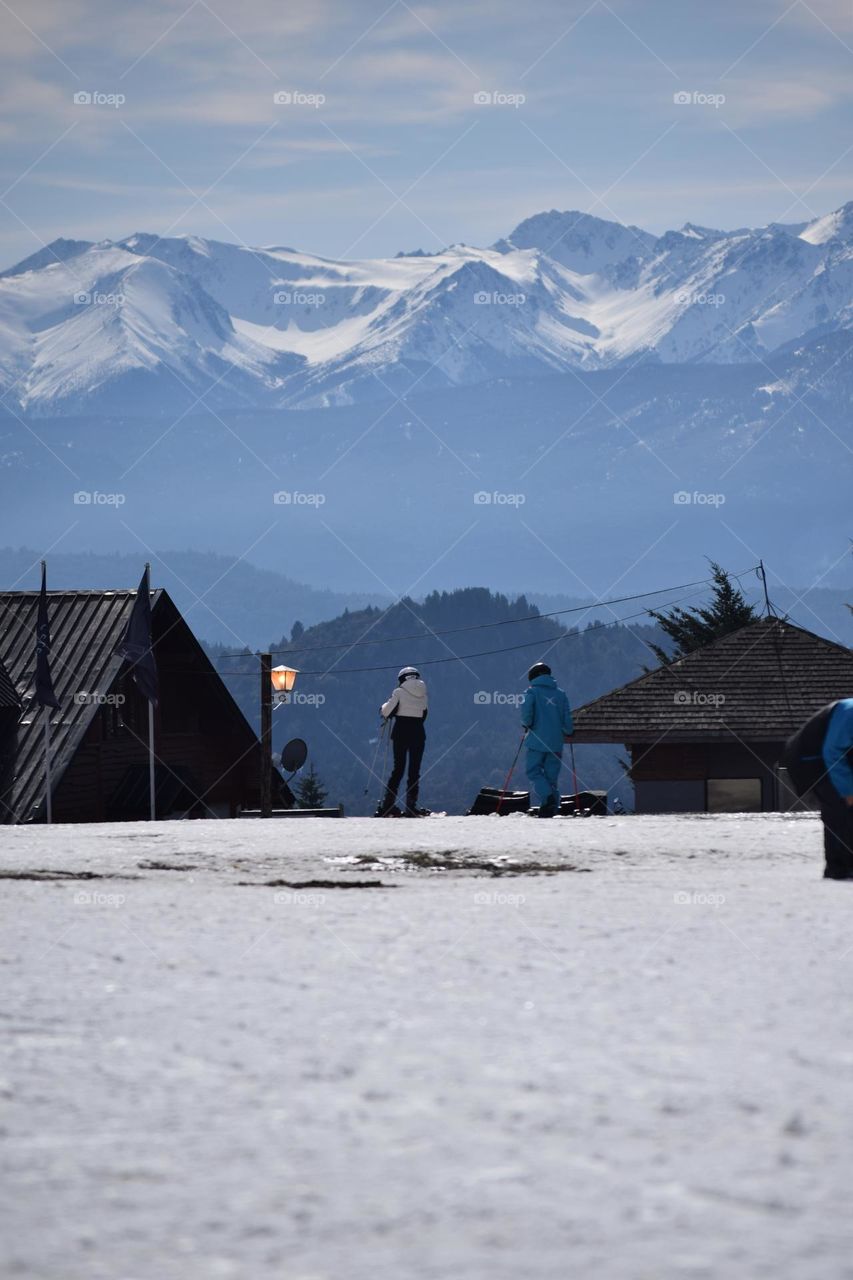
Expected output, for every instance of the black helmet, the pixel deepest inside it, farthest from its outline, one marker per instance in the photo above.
(409, 673)
(538, 669)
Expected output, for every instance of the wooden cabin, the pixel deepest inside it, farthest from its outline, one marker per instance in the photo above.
(10, 714)
(705, 733)
(208, 756)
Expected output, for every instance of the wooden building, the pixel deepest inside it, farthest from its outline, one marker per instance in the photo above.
(705, 733)
(208, 756)
(10, 714)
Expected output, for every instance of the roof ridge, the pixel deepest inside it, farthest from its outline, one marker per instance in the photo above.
(677, 666)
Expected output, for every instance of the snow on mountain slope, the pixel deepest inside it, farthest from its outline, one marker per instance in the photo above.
(476, 314)
(721, 292)
(833, 226)
(106, 322)
(83, 325)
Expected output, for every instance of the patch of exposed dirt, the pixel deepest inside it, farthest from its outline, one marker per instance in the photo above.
(453, 860)
(167, 866)
(46, 874)
(318, 884)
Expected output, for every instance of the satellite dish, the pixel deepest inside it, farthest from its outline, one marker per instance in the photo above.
(294, 755)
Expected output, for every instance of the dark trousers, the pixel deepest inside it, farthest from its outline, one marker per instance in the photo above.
(837, 818)
(408, 739)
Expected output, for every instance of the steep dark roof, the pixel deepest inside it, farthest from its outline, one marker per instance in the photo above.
(85, 628)
(758, 683)
(9, 699)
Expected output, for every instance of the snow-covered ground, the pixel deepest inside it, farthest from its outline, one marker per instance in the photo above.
(636, 1067)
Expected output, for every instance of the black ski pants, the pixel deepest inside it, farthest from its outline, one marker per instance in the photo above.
(837, 818)
(408, 739)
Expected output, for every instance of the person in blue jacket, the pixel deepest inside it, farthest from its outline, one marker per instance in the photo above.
(835, 792)
(547, 717)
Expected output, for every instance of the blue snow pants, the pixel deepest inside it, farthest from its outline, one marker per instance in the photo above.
(543, 772)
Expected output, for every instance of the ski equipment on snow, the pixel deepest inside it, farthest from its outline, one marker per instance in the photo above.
(489, 797)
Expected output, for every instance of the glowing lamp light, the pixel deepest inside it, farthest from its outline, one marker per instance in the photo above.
(283, 679)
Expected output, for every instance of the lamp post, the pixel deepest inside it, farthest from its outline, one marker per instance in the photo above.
(280, 680)
(283, 680)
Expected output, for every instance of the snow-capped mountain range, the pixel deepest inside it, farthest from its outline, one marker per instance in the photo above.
(148, 324)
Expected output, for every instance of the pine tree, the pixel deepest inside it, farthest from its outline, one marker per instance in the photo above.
(691, 629)
(310, 792)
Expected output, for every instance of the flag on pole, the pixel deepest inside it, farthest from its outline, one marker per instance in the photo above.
(135, 644)
(45, 695)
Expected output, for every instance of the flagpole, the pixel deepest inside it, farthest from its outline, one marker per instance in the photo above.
(136, 647)
(48, 791)
(152, 787)
(151, 784)
(45, 708)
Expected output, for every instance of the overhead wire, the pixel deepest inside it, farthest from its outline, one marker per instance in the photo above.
(429, 633)
(484, 653)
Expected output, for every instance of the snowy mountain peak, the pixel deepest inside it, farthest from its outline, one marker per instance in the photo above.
(580, 241)
(58, 251)
(694, 232)
(135, 323)
(833, 226)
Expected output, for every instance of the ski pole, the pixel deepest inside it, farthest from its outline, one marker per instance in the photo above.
(511, 771)
(371, 772)
(574, 776)
(384, 760)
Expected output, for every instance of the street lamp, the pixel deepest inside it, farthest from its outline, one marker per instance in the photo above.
(282, 680)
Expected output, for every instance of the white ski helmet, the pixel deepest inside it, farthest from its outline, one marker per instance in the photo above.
(408, 673)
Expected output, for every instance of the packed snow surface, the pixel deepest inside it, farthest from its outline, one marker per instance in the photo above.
(631, 1060)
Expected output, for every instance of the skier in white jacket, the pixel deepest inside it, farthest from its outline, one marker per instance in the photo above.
(408, 706)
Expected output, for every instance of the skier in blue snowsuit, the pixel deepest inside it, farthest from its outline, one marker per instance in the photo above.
(819, 759)
(547, 717)
(834, 790)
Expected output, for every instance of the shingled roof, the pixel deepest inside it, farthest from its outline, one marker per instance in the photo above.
(758, 683)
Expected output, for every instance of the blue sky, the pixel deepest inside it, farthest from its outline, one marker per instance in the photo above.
(383, 145)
